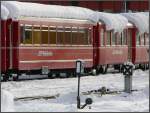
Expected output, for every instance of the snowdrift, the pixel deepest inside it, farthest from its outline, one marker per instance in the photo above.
(4, 12)
(25, 9)
(114, 22)
(7, 101)
(140, 20)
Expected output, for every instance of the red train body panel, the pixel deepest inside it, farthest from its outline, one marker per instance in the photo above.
(142, 55)
(113, 55)
(53, 57)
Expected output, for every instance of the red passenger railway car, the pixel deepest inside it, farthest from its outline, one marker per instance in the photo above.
(43, 45)
(52, 44)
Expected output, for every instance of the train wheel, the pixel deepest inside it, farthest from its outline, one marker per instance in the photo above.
(68, 75)
(143, 67)
(103, 69)
(15, 77)
(95, 72)
(51, 75)
(147, 66)
(5, 77)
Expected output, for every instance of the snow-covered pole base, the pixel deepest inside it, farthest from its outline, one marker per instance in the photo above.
(128, 72)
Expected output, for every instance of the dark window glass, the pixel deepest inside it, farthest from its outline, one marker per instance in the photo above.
(60, 35)
(67, 35)
(52, 35)
(27, 38)
(108, 37)
(44, 33)
(113, 42)
(36, 35)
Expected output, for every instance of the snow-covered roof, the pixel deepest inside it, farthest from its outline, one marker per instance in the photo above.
(140, 20)
(4, 12)
(114, 22)
(26, 9)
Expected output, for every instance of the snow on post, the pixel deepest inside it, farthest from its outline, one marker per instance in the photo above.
(26, 9)
(4, 13)
(140, 20)
(114, 22)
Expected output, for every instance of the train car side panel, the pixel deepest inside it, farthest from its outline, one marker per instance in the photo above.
(54, 57)
(113, 55)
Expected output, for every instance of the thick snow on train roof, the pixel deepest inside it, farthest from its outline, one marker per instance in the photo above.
(4, 12)
(25, 9)
(140, 20)
(114, 22)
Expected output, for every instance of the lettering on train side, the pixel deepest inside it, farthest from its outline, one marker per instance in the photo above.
(117, 52)
(45, 53)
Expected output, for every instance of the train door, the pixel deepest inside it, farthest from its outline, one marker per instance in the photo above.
(3, 46)
(95, 45)
(129, 42)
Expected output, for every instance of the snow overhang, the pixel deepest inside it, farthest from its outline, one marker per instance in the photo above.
(140, 20)
(4, 13)
(114, 22)
(26, 9)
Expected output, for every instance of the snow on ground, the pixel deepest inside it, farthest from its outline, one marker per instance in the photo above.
(67, 88)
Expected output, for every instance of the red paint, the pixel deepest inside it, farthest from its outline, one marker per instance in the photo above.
(55, 54)
(8, 30)
(96, 44)
(15, 43)
(142, 55)
(113, 55)
(133, 30)
(3, 46)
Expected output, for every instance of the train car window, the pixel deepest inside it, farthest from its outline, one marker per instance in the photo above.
(119, 39)
(142, 40)
(60, 35)
(102, 37)
(28, 35)
(89, 36)
(80, 36)
(22, 33)
(52, 35)
(108, 37)
(74, 35)
(36, 35)
(146, 38)
(83, 35)
(67, 35)
(124, 39)
(45, 35)
(113, 39)
(137, 38)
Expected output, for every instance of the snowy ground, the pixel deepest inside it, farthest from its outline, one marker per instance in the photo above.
(67, 90)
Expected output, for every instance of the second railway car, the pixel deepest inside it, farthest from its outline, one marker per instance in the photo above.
(139, 39)
(110, 41)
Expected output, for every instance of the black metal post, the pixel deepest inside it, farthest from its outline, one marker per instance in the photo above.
(78, 97)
